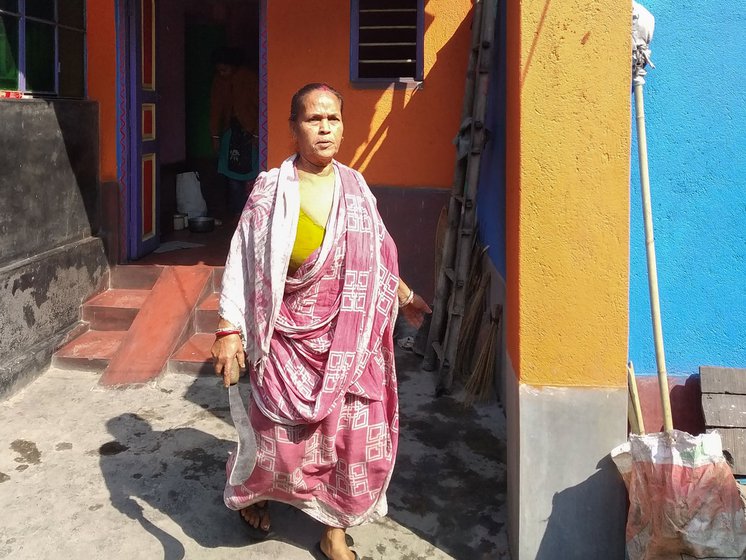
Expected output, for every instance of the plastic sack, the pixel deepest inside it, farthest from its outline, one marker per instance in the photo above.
(189, 199)
(684, 501)
(643, 25)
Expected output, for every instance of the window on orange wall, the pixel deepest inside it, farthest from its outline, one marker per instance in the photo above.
(386, 42)
(42, 47)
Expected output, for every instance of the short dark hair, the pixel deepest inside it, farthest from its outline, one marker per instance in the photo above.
(227, 55)
(296, 103)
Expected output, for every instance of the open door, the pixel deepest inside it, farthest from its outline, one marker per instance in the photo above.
(143, 166)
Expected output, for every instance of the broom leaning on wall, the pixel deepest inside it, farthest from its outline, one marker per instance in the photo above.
(476, 366)
(684, 500)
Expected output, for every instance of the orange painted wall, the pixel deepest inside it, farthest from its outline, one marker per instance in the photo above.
(102, 80)
(568, 157)
(396, 137)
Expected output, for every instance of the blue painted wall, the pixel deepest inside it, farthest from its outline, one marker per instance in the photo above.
(695, 107)
(491, 193)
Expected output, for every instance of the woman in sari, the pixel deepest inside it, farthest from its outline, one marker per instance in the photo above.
(311, 291)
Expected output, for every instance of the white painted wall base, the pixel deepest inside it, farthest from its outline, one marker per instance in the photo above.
(566, 499)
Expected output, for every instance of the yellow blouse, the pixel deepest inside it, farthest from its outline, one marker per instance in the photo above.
(307, 239)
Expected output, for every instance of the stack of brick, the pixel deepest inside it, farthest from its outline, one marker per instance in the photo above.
(724, 408)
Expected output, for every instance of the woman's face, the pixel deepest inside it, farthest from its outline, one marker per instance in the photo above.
(318, 129)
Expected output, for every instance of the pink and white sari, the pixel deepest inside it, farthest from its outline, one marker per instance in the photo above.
(324, 405)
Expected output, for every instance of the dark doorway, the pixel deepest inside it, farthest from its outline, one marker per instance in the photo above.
(187, 33)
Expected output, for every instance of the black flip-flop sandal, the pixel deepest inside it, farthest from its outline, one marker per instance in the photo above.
(256, 533)
(319, 554)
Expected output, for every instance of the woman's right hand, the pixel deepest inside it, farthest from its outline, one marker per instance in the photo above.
(414, 312)
(226, 351)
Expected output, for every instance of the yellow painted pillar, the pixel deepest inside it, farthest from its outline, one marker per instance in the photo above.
(567, 165)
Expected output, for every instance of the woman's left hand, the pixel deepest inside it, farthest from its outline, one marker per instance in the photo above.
(415, 311)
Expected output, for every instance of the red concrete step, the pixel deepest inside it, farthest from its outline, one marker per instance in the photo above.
(114, 310)
(91, 351)
(206, 318)
(134, 276)
(161, 323)
(193, 357)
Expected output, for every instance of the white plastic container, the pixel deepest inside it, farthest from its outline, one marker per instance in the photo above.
(179, 221)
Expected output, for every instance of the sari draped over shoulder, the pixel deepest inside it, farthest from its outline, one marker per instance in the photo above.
(319, 343)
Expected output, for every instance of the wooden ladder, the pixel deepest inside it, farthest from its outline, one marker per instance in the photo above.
(450, 293)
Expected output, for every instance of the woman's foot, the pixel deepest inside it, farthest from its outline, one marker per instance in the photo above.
(334, 544)
(257, 516)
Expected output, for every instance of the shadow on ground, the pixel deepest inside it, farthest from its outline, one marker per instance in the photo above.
(448, 486)
(180, 473)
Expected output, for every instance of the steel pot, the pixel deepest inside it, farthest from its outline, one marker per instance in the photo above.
(201, 225)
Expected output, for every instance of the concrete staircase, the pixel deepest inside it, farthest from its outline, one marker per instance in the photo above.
(150, 320)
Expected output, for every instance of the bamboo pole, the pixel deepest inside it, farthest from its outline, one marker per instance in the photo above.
(636, 421)
(468, 224)
(443, 288)
(655, 310)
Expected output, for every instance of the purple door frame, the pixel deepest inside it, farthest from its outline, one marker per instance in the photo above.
(263, 128)
(131, 145)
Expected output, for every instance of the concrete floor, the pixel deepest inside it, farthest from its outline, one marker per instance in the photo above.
(87, 472)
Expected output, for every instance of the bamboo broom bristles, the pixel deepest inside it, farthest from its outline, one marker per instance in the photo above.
(476, 291)
(470, 326)
(479, 386)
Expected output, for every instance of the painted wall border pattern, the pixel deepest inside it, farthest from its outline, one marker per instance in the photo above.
(263, 127)
(123, 116)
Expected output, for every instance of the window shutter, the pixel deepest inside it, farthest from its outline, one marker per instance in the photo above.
(387, 39)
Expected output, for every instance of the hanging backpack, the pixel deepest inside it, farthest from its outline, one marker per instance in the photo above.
(239, 149)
